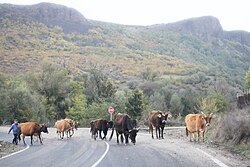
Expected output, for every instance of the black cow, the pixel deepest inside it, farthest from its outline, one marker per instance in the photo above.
(123, 125)
(157, 120)
(99, 126)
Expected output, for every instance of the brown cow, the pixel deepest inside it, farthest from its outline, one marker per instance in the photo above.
(31, 128)
(92, 126)
(157, 120)
(123, 125)
(196, 123)
(62, 126)
(73, 124)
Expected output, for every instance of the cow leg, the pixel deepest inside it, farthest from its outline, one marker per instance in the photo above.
(117, 137)
(159, 133)
(100, 134)
(24, 140)
(191, 135)
(31, 138)
(105, 134)
(151, 130)
(71, 132)
(126, 138)
(39, 136)
(122, 139)
(202, 135)
(162, 129)
(94, 134)
(156, 132)
(198, 135)
(61, 135)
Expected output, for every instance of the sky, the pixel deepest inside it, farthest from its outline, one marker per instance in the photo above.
(232, 14)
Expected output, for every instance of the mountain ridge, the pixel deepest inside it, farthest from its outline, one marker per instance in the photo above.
(180, 49)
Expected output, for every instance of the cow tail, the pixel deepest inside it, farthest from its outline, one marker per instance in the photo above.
(111, 134)
(186, 131)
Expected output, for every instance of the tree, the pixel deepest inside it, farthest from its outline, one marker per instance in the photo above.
(247, 79)
(78, 101)
(176, 106)
(52, 82)
(135, 105)
(98, 87)
(212, 104)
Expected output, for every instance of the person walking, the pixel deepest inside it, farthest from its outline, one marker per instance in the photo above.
(14, 128)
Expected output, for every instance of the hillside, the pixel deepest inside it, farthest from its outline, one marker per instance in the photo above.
(192, 48)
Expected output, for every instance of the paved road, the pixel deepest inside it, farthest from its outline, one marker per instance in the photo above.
(82, 151)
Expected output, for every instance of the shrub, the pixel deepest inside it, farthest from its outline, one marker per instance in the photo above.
(233, 127)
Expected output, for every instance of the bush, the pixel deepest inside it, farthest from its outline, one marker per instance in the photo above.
(233, 127)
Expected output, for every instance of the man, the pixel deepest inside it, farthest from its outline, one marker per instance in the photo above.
(14, 128)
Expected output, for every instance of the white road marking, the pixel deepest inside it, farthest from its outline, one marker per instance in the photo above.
(27, 147)
(218, 162)
(100, 159)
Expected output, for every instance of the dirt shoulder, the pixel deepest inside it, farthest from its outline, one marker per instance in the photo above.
(7, 148)
(216, 150)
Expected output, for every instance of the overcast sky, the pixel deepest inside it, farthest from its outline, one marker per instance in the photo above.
(233, 14)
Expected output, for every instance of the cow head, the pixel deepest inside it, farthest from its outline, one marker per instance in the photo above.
(75, 124)
(207, 118)
(133, 134)
(162, 118)
(43, 128)
(110, 124)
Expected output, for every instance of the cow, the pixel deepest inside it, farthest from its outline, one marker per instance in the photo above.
(73, 124)
(92, 126)
(196, 123)
(30, 129)
(62, 126)
(157, 120)
(123, 126)
(100, 125)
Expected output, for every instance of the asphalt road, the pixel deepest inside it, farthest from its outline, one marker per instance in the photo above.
(82, 151)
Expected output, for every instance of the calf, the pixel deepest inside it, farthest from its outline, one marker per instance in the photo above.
(99, 126)
(157, 120)
(31, 128)
(196, 123)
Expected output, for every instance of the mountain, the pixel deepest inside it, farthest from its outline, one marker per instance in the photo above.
(49, 14)
(194, 51)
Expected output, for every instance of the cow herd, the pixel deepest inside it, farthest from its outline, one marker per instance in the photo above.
(124, 127)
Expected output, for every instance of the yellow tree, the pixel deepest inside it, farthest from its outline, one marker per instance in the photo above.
(247, 79)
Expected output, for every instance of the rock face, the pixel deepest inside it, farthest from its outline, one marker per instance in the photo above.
(206, 28)
(242, 37)
(203, 27)
(49, 14)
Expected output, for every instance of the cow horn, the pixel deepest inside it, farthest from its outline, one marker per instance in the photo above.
(202, 112)
(211, 114)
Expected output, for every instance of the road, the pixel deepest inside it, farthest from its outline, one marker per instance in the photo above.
(82, 151)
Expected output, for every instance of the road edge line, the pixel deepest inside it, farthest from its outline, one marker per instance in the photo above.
(6, 156)
(100, 159)
(218, 162)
